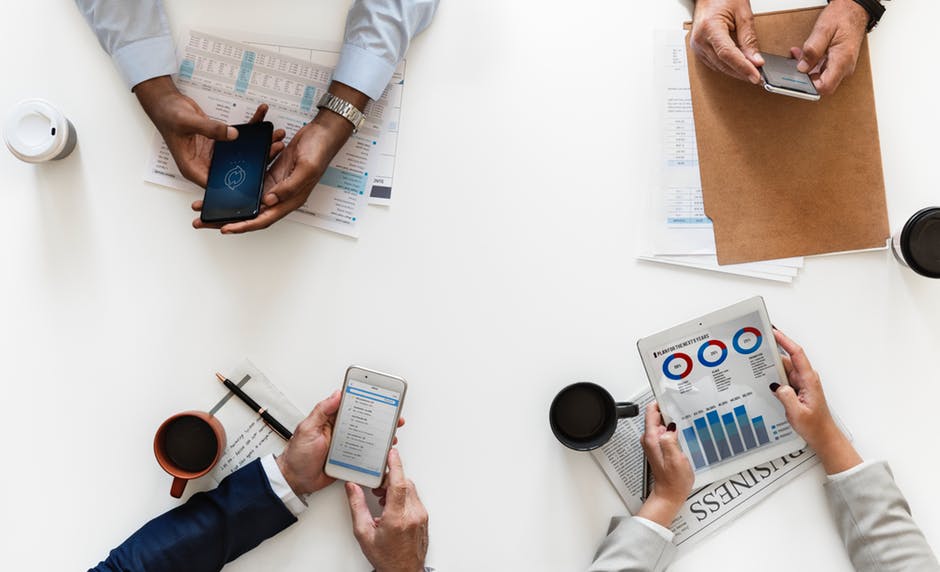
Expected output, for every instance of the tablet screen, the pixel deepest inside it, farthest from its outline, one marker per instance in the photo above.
(713, 384)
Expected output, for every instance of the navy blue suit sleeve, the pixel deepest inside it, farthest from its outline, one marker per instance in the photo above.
(209, 530)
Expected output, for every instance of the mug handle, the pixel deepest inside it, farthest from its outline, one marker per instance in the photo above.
(176, 489)
(627, 409)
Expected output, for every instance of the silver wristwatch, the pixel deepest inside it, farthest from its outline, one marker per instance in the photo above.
(342, 107)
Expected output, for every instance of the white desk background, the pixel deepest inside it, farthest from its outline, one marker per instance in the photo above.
(503, 271)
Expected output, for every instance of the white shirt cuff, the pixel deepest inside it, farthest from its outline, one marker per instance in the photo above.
(848, 472)
(280, 487)
(145, 59)
(659, 529)
(362, 70)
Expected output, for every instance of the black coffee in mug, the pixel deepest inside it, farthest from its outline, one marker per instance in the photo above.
(583, 416)
(190, 443)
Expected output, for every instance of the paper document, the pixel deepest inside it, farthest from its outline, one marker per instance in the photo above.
(679, 232)
(229, 79)
(247, 436)
(707, 509)
(381, 166)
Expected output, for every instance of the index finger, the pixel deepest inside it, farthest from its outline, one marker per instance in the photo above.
(259, 113)
(838, 66)
(396, 471)
(797, 357)
(732, 56)
(653, 417)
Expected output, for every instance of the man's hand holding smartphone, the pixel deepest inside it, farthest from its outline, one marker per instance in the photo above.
(303, 459)
(724, 38)
(295, 173)
(189, 133)
(396, 541)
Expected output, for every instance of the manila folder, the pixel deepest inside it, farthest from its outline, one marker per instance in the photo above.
(782, 176)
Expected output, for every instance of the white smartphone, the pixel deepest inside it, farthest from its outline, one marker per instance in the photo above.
(780, 76)
(365, 426)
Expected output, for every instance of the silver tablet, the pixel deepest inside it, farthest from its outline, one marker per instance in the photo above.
(711, 377)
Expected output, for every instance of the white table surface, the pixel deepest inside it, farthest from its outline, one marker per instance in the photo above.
(503, 270)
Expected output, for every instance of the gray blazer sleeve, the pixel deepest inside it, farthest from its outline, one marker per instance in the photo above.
(631, 546)
(875, 522)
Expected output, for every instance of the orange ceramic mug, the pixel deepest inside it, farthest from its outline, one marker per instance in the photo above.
(187, 446)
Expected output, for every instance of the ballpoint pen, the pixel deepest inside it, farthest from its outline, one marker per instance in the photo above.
(268, 418)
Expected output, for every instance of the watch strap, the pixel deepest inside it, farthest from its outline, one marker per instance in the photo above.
(342, 107)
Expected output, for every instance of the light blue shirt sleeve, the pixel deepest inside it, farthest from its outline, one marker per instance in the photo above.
(378, 33)
(135, 34)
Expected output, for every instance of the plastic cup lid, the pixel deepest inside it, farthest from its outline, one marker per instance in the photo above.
(36, 131)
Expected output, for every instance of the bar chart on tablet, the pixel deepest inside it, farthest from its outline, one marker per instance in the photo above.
(715, 437)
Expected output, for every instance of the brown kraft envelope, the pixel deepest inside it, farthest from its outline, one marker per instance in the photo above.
(782, 176)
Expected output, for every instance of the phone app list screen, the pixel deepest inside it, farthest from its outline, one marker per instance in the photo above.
(365, 424)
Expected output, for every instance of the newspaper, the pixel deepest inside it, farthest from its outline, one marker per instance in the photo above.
(709, 508)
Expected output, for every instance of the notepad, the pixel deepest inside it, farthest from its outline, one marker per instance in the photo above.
(247, 436)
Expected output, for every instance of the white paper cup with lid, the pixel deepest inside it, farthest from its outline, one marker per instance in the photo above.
(36, 132)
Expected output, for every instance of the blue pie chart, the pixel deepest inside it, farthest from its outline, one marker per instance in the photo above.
(712, 353)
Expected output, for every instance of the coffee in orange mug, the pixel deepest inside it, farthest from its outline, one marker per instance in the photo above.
(187, 446)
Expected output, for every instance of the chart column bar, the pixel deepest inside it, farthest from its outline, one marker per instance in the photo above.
(697, 459)
(741, 414)
(761, 430)
(720, 440)
(732, 429)
(706, 438)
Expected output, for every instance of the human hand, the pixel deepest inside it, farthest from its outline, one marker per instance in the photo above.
(289, 181)
(724, 39)
(189, 133)
(807, 411)
(303, 459)
(397, 541)
(672, 472)
(830, 53)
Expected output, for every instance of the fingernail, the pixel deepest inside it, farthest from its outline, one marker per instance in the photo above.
(758, 59)
(803, 66)
(232, 133)
(774, 387)
(671, 427)
(755, 79)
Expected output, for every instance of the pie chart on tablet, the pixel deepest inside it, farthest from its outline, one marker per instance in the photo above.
(747, 340)
(712, 353)
(677, 366)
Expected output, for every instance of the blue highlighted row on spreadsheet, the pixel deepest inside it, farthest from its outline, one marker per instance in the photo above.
(346, 180)
(365, 394)
(355, 468)
(714, 438)
(306, 102)
(244, 72)
(187, 67)
(689, 220)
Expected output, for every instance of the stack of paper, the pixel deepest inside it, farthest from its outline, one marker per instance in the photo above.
(678, 232)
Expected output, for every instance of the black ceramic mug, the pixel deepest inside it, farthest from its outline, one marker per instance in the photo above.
(584, 416)
(917, 246)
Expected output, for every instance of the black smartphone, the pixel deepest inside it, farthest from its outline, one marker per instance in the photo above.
(779, 75)
(236, 175)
